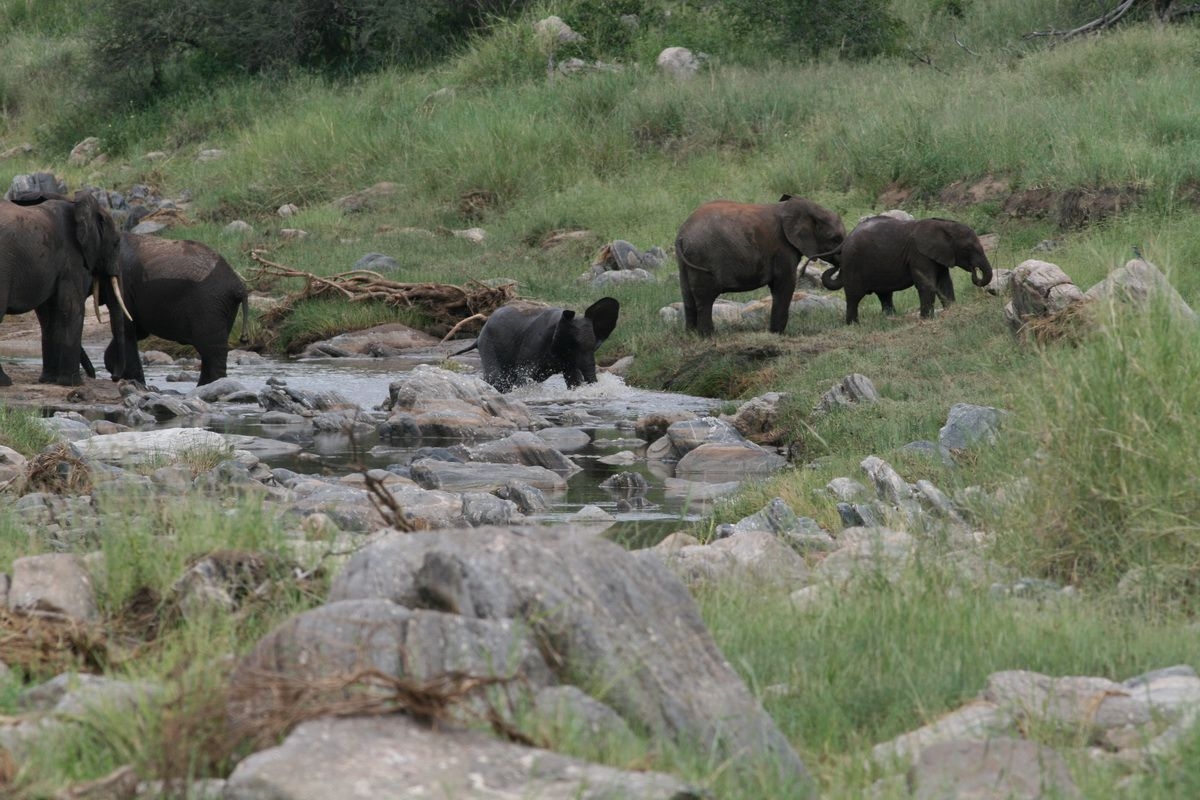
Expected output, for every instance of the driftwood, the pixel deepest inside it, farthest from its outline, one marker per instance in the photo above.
(444, 303)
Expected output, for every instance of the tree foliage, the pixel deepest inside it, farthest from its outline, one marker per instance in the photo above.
(155, 39)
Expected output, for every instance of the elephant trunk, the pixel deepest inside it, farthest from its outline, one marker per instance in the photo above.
(831, 280)
(984, 276)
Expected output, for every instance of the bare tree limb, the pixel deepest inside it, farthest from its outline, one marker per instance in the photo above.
(1100, 23)
(958, 42)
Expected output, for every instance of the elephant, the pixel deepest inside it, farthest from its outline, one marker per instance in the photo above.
(180, 290)
(526, 343)
(54, 251)
(883, 255)
(734, 247)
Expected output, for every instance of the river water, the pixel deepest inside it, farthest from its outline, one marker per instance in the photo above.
(606, 410)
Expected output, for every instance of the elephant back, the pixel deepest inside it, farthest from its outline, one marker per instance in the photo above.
(170, 259)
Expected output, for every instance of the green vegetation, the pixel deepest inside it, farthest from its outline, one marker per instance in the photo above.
(20, 430)
(1100, 441)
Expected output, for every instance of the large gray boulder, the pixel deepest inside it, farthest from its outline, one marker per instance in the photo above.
(395, 758)
(1139, 283)
(611, 619)
(437, 402)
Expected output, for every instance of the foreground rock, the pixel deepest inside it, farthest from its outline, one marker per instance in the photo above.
(396, 757)
(615, 624)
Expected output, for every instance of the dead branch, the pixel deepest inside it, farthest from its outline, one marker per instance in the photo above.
(959, 42)
(1105, 20)
(446, 304)
(455, 329)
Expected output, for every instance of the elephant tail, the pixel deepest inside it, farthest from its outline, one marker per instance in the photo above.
(474, 344)
(830, 278)
(683, 259)
(245, 337)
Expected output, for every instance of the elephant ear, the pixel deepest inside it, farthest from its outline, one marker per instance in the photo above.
(603, 315)
(87, 229)
(800, 230)
(935, 241)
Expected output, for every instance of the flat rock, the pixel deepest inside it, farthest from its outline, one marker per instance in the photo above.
(482, 476)
(396, 758)
(57, 583)
(995, 769)
(141, 446)
(717, 461)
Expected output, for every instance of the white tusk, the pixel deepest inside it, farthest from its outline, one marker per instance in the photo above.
(120, 300)
(96, 300)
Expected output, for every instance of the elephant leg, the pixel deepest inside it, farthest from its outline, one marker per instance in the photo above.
(86, 363)
(927, 290)
(852, 301)
(689, 301)
(782, 290)
(132, 363)
(4, 379)
(62, 336)
(213, 364)
(885, 303)
(945, 287)
(927, 298)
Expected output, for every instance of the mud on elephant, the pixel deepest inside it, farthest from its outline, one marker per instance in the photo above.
(735, 247)
(54, 251)
(883, 255)
(179, 290)
(523, 343)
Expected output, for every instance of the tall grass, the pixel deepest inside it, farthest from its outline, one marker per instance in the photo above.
(1114, 453)
(875, 661)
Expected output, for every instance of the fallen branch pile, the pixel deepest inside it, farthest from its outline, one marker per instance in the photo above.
(444, 303)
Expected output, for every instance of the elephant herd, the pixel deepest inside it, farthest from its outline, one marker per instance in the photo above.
(56, 250)
(732, 247)
(735, 247)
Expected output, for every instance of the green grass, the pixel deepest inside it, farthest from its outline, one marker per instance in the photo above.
(1102, 428)
(21, 430)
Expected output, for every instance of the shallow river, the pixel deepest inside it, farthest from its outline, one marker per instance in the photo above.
(606, 410)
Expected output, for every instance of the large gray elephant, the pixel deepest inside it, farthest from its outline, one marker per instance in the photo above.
(179, 290)
(735, 247)
(523, 343)
(883, 255)
(54, 251)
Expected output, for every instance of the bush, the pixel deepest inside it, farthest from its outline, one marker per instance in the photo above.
(850, 28)
(229, 35)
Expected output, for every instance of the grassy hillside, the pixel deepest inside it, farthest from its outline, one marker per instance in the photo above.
(1102, 428)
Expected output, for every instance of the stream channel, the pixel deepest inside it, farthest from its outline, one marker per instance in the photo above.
(606, 410)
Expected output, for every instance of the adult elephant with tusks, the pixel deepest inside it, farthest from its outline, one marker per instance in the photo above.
(524, 343)
(735, 247)
(883, 255)
(54, 251)
(179, 290)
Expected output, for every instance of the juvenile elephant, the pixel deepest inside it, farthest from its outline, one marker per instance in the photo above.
(54, 251)
(179, 290)
(735, 247)
(883, 255)
(522, 344)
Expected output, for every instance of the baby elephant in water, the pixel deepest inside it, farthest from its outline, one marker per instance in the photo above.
(523, 343)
